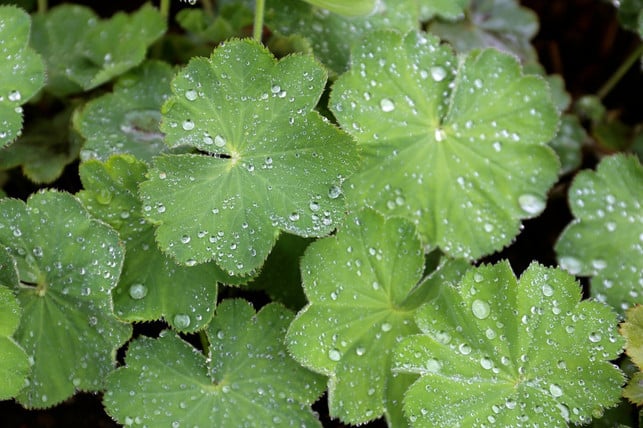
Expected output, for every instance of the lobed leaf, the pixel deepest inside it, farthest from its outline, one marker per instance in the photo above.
(68, 263)
(127, 120)
(152, 286)
(83, 51)
(456, 147)
(268, 162)
(568, 143)
(21, 71)
(605, 241)
(360, 285)
(14, 361)
(499, 351)
(450, 10)
(247, 379)
(332, 36)
(632, 331)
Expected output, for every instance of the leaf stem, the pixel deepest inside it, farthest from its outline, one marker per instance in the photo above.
(205, 343)
(620, 72)
(257, 29)
(42, 6)
(165, 8)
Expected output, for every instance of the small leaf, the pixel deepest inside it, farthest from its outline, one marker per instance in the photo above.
(605, 239)
(438, 147)
(632, 330)
(269, 162)
(83, 51)
(68, 264)
(354, 8)
(568, 143)
(151, 285)
(127, 120)
(247, 380)
(21, 71)
(332, 36)
(511, 353)
(44, 149)
(359, 285)
(633, 391)
(499, 24)
(14, 361)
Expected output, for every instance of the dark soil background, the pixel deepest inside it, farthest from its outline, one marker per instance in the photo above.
(578, 39)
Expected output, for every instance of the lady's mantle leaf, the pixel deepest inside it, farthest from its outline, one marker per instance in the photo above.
(457, 147)
(605, 240)
(511, 353)
(247, 379)
(14, 361)
(341, 7)
(128, 119)
(83, 51)
(273, 164)
(332, 35)
(151, 285)
(67, 264)
(632, 330)
(21, 71)
(358, 284)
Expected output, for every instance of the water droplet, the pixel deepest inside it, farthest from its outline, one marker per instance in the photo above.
(387, 105)
(185, 239)
(547, 290)
(386, 327)
(275, 89)
(432, 365)
(531, 204)
(104, 197)
(188, 125)
(480, 309)
(334, 192)
(219, 141)
(438, 73)
(570, 264)
(555, 390)
(599, 264)
(439, 135)
(464, 349)
(182, 321)
(334, 355)
(595, 337)
(486, 363)
(14, 96)
(191, 95)
(137, 291)
(37, 251)
(360, 350)
(293, 217)
(207, 140)
(314, 206)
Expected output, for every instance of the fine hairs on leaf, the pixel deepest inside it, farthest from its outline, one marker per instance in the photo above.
(310, 213)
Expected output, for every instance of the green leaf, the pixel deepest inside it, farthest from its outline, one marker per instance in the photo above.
(270, 163)
(151, 286)
(633, 391)
(499, 24)
(438, 148)
(80, 48)
(354, 8)
(127, 120)
(632, 331)
(511, 353)
(68, 264)
(451, 10)
(247, 379)
(332, 35)
(45, 148)
(359, 284)
(14, 361)
(568, 143)
(629, 13)
(604, 240)
(21, 71)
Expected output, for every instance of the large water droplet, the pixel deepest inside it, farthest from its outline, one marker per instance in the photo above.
(334, 192)
(387, 105)
(137, 291)
(555, 390)
(570, 264)
(438, 73)
(531, 204)
(104, 196)
(480, 309)
(14, 96)
(182, 321)
(386, 327)
(334, 355)
(219, 141)
(547, 290)
(191, 95)
(188, 125)
(432, 365)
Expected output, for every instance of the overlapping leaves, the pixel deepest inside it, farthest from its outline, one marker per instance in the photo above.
(83, 51)
(456, 146)
(268, 162)
(632, 330)
(21, 71)
(499, 351)
(151, 285)
(68, 263)
(605, 241)
(361, 285)
(247, 379)
(128, 119)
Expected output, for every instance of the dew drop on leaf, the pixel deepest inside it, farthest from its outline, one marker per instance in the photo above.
(137, 291)
(480, 309)
(555, 390)
(182, 320)
(104, 196)
(188, 125)
(14, 96)
(334, 355)
(594, 337)
(386, 327)
(570, 264)
(531, 204)
(360, 350)
(547, 290)
(191, 95)
(219, 141)
(432, 365)
(387, 105)
(438, 73)
(334, 192)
